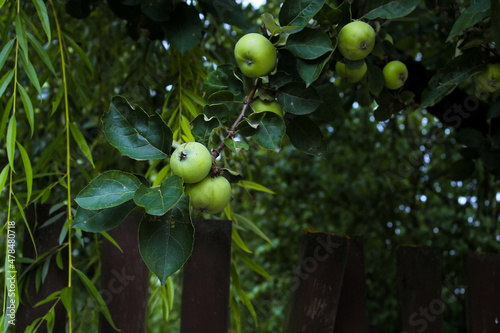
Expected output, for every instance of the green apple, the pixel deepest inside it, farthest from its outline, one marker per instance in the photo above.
(192, 161)
(210, 195)
(255, 55)
(259, 105)
(489, 79)
(395, 74)
(350, 75)
(356, 40)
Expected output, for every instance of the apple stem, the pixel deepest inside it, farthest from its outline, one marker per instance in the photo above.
(232, 131)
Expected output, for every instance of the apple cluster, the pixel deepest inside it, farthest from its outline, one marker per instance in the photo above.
(356, 40)
(193, 162)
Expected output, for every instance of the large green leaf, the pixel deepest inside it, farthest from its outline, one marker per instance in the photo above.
(309, 44)
(166, 242)
(184, 27)
(102, 219)
(297, 99)
(270, 129)
(157, 201)
(110, 189)
(305, 135)
(472, 15)
(135, 133)
(298, 13)
(310, 70)
(203, 128)
(393, 9)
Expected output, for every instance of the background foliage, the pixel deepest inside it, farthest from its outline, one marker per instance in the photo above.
(416, 166)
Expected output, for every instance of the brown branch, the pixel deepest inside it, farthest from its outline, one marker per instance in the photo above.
(232, 132)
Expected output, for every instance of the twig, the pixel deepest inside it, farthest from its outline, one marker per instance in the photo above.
(232, 131)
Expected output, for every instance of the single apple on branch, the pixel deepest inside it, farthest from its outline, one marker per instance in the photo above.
(255, 55)
(356, 40)
(395, 74)
(192, 161)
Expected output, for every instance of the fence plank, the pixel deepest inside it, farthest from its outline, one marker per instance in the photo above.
(352, 313)
(124, 279)
(482, 276)
(317, 283)
(56, 279)
(205, 291)
(419, 289)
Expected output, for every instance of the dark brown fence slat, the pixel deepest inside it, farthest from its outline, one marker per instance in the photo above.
(124, 279)
(317, 283)
(482, 276)
(352, 313)
(205, 291)
(56, 279)
(419, 289)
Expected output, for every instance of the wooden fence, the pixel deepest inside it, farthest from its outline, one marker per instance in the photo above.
(328, 289)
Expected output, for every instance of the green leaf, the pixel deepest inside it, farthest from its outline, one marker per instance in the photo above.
(6, 52)
(27, 170)
(135, 133)
(80, 53)
(21, 35)
(5, 80)
(329, 15)
(247, 224)
(241, 294)
(270, 129)
(44, 17)
(31, 73)
(238, 241)
(102, 219)
(203, 128)
(309, 44)
(217, 111)
(11, 140)
(166, 242)
(393, 9)
(254, 266)
(472, 15)
(221, 96)
(382, 113)
(297, 99)
(96, 296)
(298, 13)
(310, 70)
(81, 142)
(28, 107)
(3, 176)
(227, 11)
(159, 201)
(41, 52)
(236, 146)
(306, 136)
(184, 27)
(254, 186)
(110, 189)
(5, 116)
